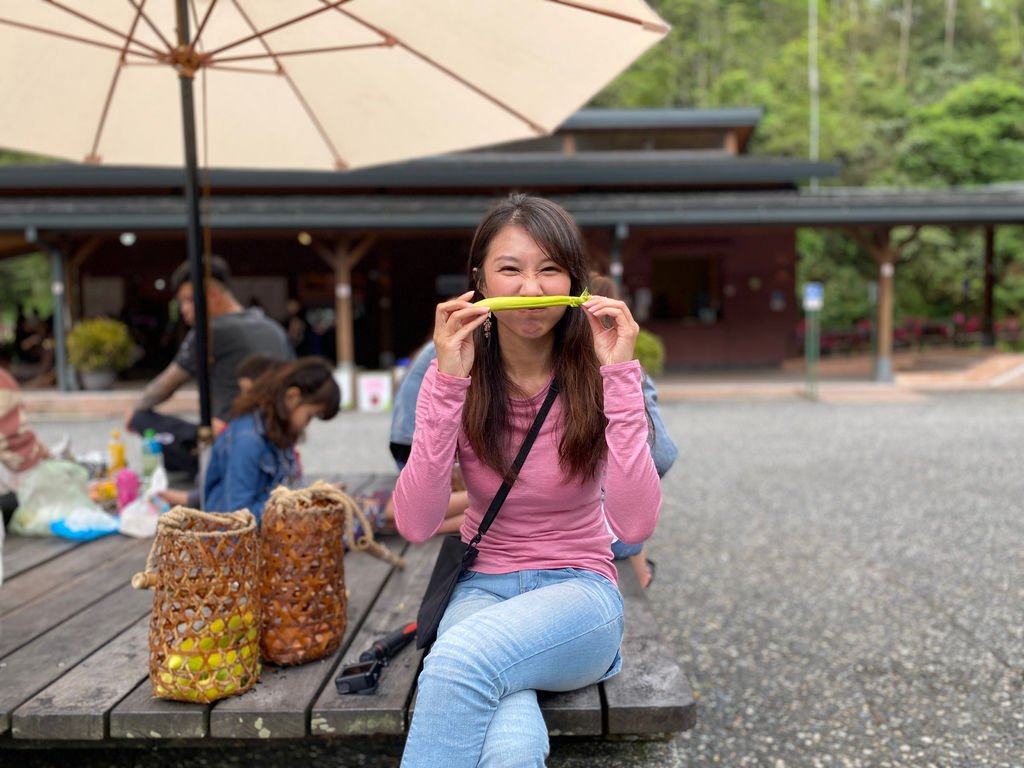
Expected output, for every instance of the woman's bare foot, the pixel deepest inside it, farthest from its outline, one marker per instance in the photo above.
(644, 568)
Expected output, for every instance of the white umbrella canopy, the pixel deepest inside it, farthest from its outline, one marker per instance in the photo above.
(313, 84)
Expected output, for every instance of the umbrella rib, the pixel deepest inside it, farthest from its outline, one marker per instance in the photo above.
(581, 6)
(93, 155)
(245, 70)
(301, 52)
(392, 40)
(202, 24)
(149, 23)
(76, 38)
(97, 23)
(295, 89)
(258, 34)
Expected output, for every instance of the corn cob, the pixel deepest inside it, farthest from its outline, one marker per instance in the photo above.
(498, 303)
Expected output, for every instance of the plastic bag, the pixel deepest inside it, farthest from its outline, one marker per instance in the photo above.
(139, 518)
(49, 492)
(85, 525)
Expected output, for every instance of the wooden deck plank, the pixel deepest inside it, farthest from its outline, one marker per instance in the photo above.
(23, 553)
(75, 706)
(61, 571)
(143, 716)
(279, 706)
(33, 667)
(573, 713)
(650, 695)
(384, 711)
(108, 574)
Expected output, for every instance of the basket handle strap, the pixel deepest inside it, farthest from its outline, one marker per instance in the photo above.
(177, 518)
(366, 542)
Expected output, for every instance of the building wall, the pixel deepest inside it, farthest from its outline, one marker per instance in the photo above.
(717, 298)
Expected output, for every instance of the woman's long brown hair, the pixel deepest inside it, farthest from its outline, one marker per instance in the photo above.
(576, 368)
(314, 380)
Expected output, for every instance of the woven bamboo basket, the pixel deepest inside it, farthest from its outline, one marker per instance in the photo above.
(205, 623)
(302, 581)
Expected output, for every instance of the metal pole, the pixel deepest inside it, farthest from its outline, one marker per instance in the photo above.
(194, 243)
(58, 292)
(813, 84)
(59, 322)
(615, 258)
(812, 349)
(988, 335)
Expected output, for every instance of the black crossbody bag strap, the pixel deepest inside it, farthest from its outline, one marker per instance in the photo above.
(506, 486)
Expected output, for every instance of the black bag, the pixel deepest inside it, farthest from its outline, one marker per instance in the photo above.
(456, 555)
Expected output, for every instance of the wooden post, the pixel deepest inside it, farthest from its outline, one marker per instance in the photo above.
(342, 257)
(877, 243)
(886, 259)
(385, 309)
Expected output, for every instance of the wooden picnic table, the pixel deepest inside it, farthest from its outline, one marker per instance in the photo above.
(74, 659)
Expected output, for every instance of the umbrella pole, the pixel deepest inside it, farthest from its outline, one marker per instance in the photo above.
(194, 245)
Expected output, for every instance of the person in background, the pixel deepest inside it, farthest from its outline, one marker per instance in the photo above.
(236, 332)
(539, 608)
(380, 507)
(296, 326)
(403, 411)
(664, 450)
(20, 449)
(256, 453)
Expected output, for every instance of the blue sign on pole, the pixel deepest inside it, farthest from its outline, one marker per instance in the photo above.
(814, 297)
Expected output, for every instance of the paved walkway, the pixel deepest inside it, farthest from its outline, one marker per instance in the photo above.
(844, 379)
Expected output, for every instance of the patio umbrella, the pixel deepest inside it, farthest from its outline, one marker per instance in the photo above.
(301, 84)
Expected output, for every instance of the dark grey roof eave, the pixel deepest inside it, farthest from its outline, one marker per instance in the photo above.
(603, 169)
(641, 119)
(834, 208)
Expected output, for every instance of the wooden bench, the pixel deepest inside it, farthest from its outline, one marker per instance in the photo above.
(73, 660)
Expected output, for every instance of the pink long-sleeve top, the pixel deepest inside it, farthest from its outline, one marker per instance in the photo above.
(547, 521)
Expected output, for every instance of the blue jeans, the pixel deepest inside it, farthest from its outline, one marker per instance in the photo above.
(503, 638)
(622, 550)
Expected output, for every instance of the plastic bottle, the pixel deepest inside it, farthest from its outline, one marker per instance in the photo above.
(115, 453)
(152, 453)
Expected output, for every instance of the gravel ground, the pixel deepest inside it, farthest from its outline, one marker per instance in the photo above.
(842, 583)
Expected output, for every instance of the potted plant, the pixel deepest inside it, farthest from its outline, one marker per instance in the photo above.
(650, 351)
(98, 348)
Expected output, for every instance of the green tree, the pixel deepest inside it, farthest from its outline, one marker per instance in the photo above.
(25, 282)
(973, 135)
(831, 258)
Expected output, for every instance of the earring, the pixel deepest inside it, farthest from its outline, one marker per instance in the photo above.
(487, 327)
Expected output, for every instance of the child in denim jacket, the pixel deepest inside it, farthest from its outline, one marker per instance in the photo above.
(256, 453)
